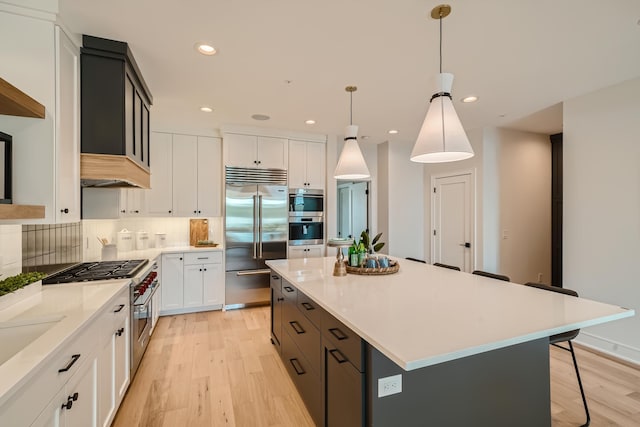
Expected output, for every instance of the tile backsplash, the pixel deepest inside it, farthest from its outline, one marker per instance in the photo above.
(51, 244)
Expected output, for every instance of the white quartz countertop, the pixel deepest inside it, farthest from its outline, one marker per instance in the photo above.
(153, 253)
(79, 303)
(425, 315)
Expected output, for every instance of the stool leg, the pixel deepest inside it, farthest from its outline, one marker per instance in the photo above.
(584, 399)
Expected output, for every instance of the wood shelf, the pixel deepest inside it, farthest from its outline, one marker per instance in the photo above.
(21, 211)
(14, 102)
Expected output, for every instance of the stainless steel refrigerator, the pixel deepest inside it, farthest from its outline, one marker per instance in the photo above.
(256, 230)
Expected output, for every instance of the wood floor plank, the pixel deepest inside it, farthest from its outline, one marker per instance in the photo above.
(220, 369)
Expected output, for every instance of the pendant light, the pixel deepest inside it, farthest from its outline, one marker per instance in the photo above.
(351, 164)
(441, 138)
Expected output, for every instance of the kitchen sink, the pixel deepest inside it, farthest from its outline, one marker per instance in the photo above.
(17, 334)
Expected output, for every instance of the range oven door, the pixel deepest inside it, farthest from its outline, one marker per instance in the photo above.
(141, 318)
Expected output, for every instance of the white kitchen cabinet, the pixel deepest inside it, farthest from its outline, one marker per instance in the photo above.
(160, 196)
(172, 282)
(112, 203)
(306, 251)
(306, 164)
(209, 177)
(250, 151)
(75, 404)
(44, 63)
(194, 281)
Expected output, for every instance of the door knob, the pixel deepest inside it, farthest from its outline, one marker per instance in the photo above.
(466, 244)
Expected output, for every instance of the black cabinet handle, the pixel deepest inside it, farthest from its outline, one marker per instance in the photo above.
(297, 366)
(70, 401)
(74, 359)
(307, 306)
(136, 211)
(200, 269)
(338, 355)
(74, 397)
(280, 299)
(274, 277)
(119, 332)
(199, 211)
(119, 309)
(296, 327)
(122, 211)
(338, 334)
(65, 210)
(288, 288)
(169, 211)
(205, 269)
(195, 212)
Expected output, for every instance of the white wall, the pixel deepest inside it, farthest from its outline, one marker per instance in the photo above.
(601, 215)
(400, 200)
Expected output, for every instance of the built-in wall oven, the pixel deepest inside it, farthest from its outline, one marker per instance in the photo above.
(306, 217)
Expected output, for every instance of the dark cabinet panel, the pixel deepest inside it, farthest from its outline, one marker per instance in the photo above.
(115, 101)
(276, 311)
(343, 388)
(349, 343)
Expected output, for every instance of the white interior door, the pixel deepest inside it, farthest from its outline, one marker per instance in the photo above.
(453, 219)
(344, 209)
(359, 207)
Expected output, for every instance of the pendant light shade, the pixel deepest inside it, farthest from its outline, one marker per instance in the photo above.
(442, 137)
(351, 164)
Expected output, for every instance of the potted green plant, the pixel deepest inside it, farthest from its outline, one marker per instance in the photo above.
(18, 287)
(372, 246)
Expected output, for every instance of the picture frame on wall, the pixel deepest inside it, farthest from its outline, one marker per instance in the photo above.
(6, 161)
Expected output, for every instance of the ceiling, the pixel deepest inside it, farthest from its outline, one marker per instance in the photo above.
(292, 59)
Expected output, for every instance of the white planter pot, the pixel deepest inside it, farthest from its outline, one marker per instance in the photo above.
(20, 295)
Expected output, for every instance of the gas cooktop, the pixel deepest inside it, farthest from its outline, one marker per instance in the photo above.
(102, 270)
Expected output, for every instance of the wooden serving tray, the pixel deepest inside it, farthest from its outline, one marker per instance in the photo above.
(213, 245)
(394, 266)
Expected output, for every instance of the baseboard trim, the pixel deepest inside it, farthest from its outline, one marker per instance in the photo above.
(617, 351)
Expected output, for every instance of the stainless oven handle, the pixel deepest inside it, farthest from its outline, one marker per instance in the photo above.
(253, 272)
(147, 298)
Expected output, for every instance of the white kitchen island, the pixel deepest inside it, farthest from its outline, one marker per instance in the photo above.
(469, 349)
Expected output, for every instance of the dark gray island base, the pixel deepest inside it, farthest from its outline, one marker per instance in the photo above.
(337, 374)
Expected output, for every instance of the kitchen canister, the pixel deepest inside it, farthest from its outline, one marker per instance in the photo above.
(161, 240)
(125, 240)
(142, 240)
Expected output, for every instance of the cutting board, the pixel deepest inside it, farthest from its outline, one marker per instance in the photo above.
(198, 230)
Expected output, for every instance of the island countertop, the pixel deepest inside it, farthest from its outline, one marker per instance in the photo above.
(424, 315)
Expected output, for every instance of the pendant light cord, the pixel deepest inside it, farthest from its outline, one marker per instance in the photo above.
(441, 42)
(351, 108)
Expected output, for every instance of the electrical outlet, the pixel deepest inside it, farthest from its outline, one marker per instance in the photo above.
(539, 277)
(389, 385)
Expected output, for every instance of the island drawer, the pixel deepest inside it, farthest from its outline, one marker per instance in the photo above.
(310, 309)
(344, 339)
(275, 281)
(195, 258)
(303, 334)
(289, 291)
(307, 381)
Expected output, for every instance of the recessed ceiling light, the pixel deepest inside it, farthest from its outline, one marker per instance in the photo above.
(260, 117)
(471, 98)
(310, 122)
(206, 109)
(365, 137)
(205, 49)
(393, 131)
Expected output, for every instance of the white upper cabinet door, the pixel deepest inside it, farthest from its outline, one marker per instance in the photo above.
(185, 175)
(297, 164)
(209, 176)
(67, 142)
(240, 150)
(160, 196)
(316, 168)
(272, 153)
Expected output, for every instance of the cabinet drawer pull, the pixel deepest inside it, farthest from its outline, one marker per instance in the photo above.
(119, 332)
(274, 277)
(74, 359)
(296, 327)
(119, 309)
(280, 299)
(297, 367)
(288, 288)
(338, 355)
(338, 334)
(308, 306)
(203, 257)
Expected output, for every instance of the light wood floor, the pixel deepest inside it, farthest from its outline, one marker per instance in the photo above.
(220, 369)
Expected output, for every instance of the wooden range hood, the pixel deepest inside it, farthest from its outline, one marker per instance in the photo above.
(112, 171)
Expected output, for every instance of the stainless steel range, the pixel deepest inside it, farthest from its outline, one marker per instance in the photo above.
(144, 283)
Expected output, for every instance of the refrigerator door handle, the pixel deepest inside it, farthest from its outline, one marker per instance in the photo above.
(254, 228)
(260, 226)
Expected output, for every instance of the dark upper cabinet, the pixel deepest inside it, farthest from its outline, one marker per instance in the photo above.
(115, 101)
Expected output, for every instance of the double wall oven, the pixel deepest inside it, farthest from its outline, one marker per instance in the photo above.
(306, 217)
(144, 283)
